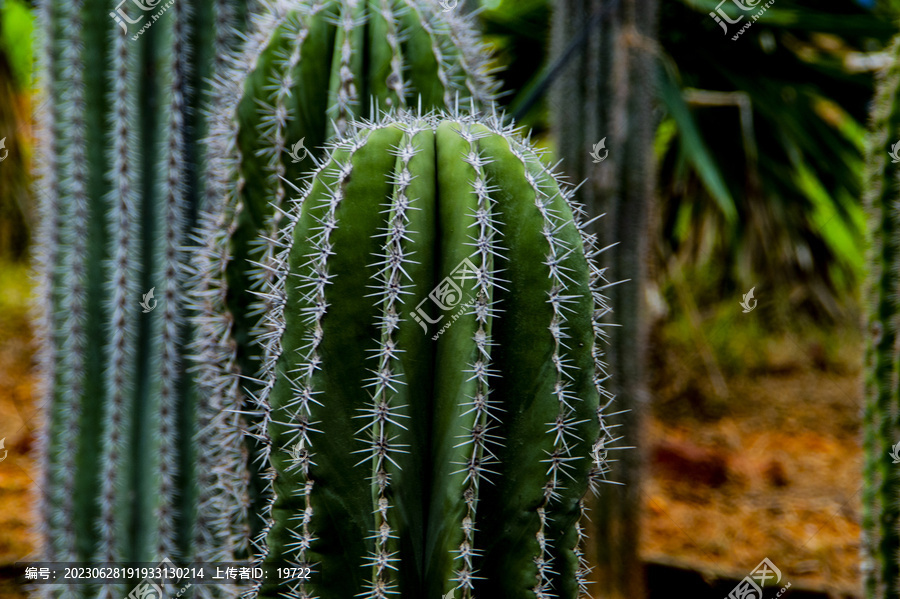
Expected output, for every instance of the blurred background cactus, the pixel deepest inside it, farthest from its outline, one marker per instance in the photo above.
(881, 511)
(434, 383)
(137, 465)
(308, 69)
(608, 87)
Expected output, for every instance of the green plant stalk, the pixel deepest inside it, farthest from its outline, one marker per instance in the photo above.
(390, 445)
(881, 513)
(131, 461)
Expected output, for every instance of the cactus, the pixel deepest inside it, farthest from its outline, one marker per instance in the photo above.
(414, 461)
(126, 476)
(605, 90)
(881, 513)
(308, 69)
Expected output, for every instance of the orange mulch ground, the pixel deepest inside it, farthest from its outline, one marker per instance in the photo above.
(17, 424)
(770, 470)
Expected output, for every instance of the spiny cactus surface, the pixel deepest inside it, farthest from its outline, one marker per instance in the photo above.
(134, 462)
(308, 69)
(433, 381)
(881, 511)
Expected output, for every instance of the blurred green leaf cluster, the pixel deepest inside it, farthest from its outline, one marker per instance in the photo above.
(16, 64)
(759, 139)
(16, 26)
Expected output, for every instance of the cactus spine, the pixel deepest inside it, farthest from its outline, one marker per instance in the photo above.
(308, 69)
(126, 475)
(881, 513)
(389, 443)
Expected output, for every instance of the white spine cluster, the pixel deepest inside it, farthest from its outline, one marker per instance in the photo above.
(395, 81)
(74, 237)
(346, 102)
(564, 428)
(223, 456)
(48, 256)
(167, 368)
(584, 568)
(123, 231)
(221, 529)
(383, 415)
(607, 438)
(484, 309)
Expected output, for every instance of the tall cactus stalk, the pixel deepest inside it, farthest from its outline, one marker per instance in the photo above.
(414, 461)
(881, 512)
(131, 460)
(606, 91)
(308, 69)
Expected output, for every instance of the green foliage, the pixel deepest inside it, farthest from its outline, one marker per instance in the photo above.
(16, 25)
(15, 78)
(413, 460)
(761, 148)
(778, 113)
(15, 291)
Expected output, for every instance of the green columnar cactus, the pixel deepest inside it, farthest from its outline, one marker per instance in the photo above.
(126, 474)
(308, 69)
(881, 511)
(409, 460)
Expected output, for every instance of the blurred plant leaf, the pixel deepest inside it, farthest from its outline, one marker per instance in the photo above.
(16, 25)
(800, 223)
(765, 187)
(693, 146)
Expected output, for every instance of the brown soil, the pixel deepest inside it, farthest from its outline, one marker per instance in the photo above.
(772, 469)
(18, 474)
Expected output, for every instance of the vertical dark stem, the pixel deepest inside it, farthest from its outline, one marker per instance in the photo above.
(607, 90)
